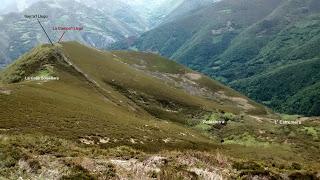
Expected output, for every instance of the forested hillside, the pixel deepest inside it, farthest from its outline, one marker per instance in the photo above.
(263, 48)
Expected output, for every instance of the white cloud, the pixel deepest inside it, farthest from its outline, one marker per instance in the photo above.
(8, 6)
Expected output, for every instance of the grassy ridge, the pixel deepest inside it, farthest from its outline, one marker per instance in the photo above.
(139, 81)
(73, 109)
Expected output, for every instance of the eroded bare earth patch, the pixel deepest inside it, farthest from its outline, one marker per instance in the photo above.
(239, 101)
(5, 91)
(194, 76)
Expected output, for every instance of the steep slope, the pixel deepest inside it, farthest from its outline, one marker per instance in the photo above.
(154, 11)
(70, 111)
(190, 33)
(103, 27)
(289, 47)
(122, 11)
(276, 40)
(285, 86)
(242, 43)
(186, 8)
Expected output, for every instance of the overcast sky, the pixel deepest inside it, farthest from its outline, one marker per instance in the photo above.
(14, 5)
(19, 5)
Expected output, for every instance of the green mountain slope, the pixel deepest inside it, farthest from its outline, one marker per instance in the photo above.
(284, 85)
(238, 42)
(288, 46)
(191, 30)
(109, 111)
